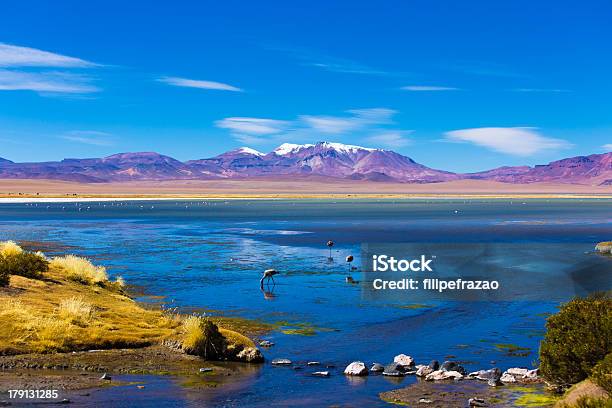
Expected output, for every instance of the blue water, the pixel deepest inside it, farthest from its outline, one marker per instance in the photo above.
(209, 255)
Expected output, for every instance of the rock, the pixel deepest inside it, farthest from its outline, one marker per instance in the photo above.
(516, 374)
(494, 382)
(281, 361)
(441, 375)
(434, 365)
(424, 371)
(313, 363)
(356, 368)
(266, 343)
(394, 370)
(452, 366)
(404, 360)
(377, 368)
(250, 355)
(106, 377)
(65, 401)
(205, 370)
(477, 402)
(486, 375)
(140, 387)
(425, 401)
(321, 373)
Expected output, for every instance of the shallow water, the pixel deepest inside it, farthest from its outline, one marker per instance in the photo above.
(210, 255)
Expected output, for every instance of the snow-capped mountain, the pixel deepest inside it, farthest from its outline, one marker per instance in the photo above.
(323, 159)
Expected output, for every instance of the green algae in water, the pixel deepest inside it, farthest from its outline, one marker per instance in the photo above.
(513, 349)
(533, 397)
(300, 329)
(414, 306)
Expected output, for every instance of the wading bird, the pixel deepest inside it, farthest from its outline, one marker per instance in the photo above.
(330, 244)
(267, 275)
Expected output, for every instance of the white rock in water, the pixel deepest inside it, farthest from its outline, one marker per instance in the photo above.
(281, 361)
(423, 370)
(444, 375)
(321, 373)
(404, 360)
(507, 378)
(518, 372)
(356, 368)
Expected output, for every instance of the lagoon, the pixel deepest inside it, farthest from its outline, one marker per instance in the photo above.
(208, 256)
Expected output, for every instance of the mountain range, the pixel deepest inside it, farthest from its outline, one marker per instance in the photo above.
(323, 159)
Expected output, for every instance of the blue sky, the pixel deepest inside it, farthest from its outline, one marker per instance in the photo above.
(461, 86)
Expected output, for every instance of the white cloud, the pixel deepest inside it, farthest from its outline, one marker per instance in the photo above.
(519, 141)
(90, 137)
(252, 126)
(45, 82)
(15, 56)
(427, 88)
(607, 147)
(393, 138)
(359, 119)
(195, 83)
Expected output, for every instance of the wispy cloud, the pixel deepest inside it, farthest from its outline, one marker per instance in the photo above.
(46, 83)
(90, 137)
(341, 124)
(393, 139)
(195, 83)
(308, 128)
(15, 56)
(253, 126)
(27, 69)
(519, 141)
(607, 147)
(427, 88)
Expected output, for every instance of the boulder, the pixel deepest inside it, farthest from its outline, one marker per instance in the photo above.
(357, 368)
(313, 363)
(394, 370)
(377, 368)
(425, 401)
(281, 361)
(486, 375)
(494, 382)
(321, 373)
(441, 375)
(477, 402)
(106, 377)
(206, 370)
(516, 374)
(404, 360)
(424, 371)
(452, 366)
(250, 355)
(266, 343)
(434, 365)
(507, 378)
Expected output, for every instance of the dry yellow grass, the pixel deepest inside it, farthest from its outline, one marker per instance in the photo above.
(9, 248)
(76, 311)
(59, 313)
(79, 269)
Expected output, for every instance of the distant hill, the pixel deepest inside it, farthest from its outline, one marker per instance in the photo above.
(323, 159)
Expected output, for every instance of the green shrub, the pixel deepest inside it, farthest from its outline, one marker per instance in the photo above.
(576, 339)
(588, 402)
(26, 264)
(602, 373)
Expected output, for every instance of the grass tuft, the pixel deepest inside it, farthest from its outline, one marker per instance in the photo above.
(76, 311)
(9, 248)
(80, 269)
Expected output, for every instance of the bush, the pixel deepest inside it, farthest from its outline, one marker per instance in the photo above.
(80, 269)
(26, 264)
(202, 338)
(8, 248)
(576, 339)
(602, 373)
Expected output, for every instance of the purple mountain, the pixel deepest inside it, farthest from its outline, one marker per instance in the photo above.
(324, 159)
(594, 169)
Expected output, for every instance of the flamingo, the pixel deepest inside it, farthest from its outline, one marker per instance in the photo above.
(268, 274)
(330, 244)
